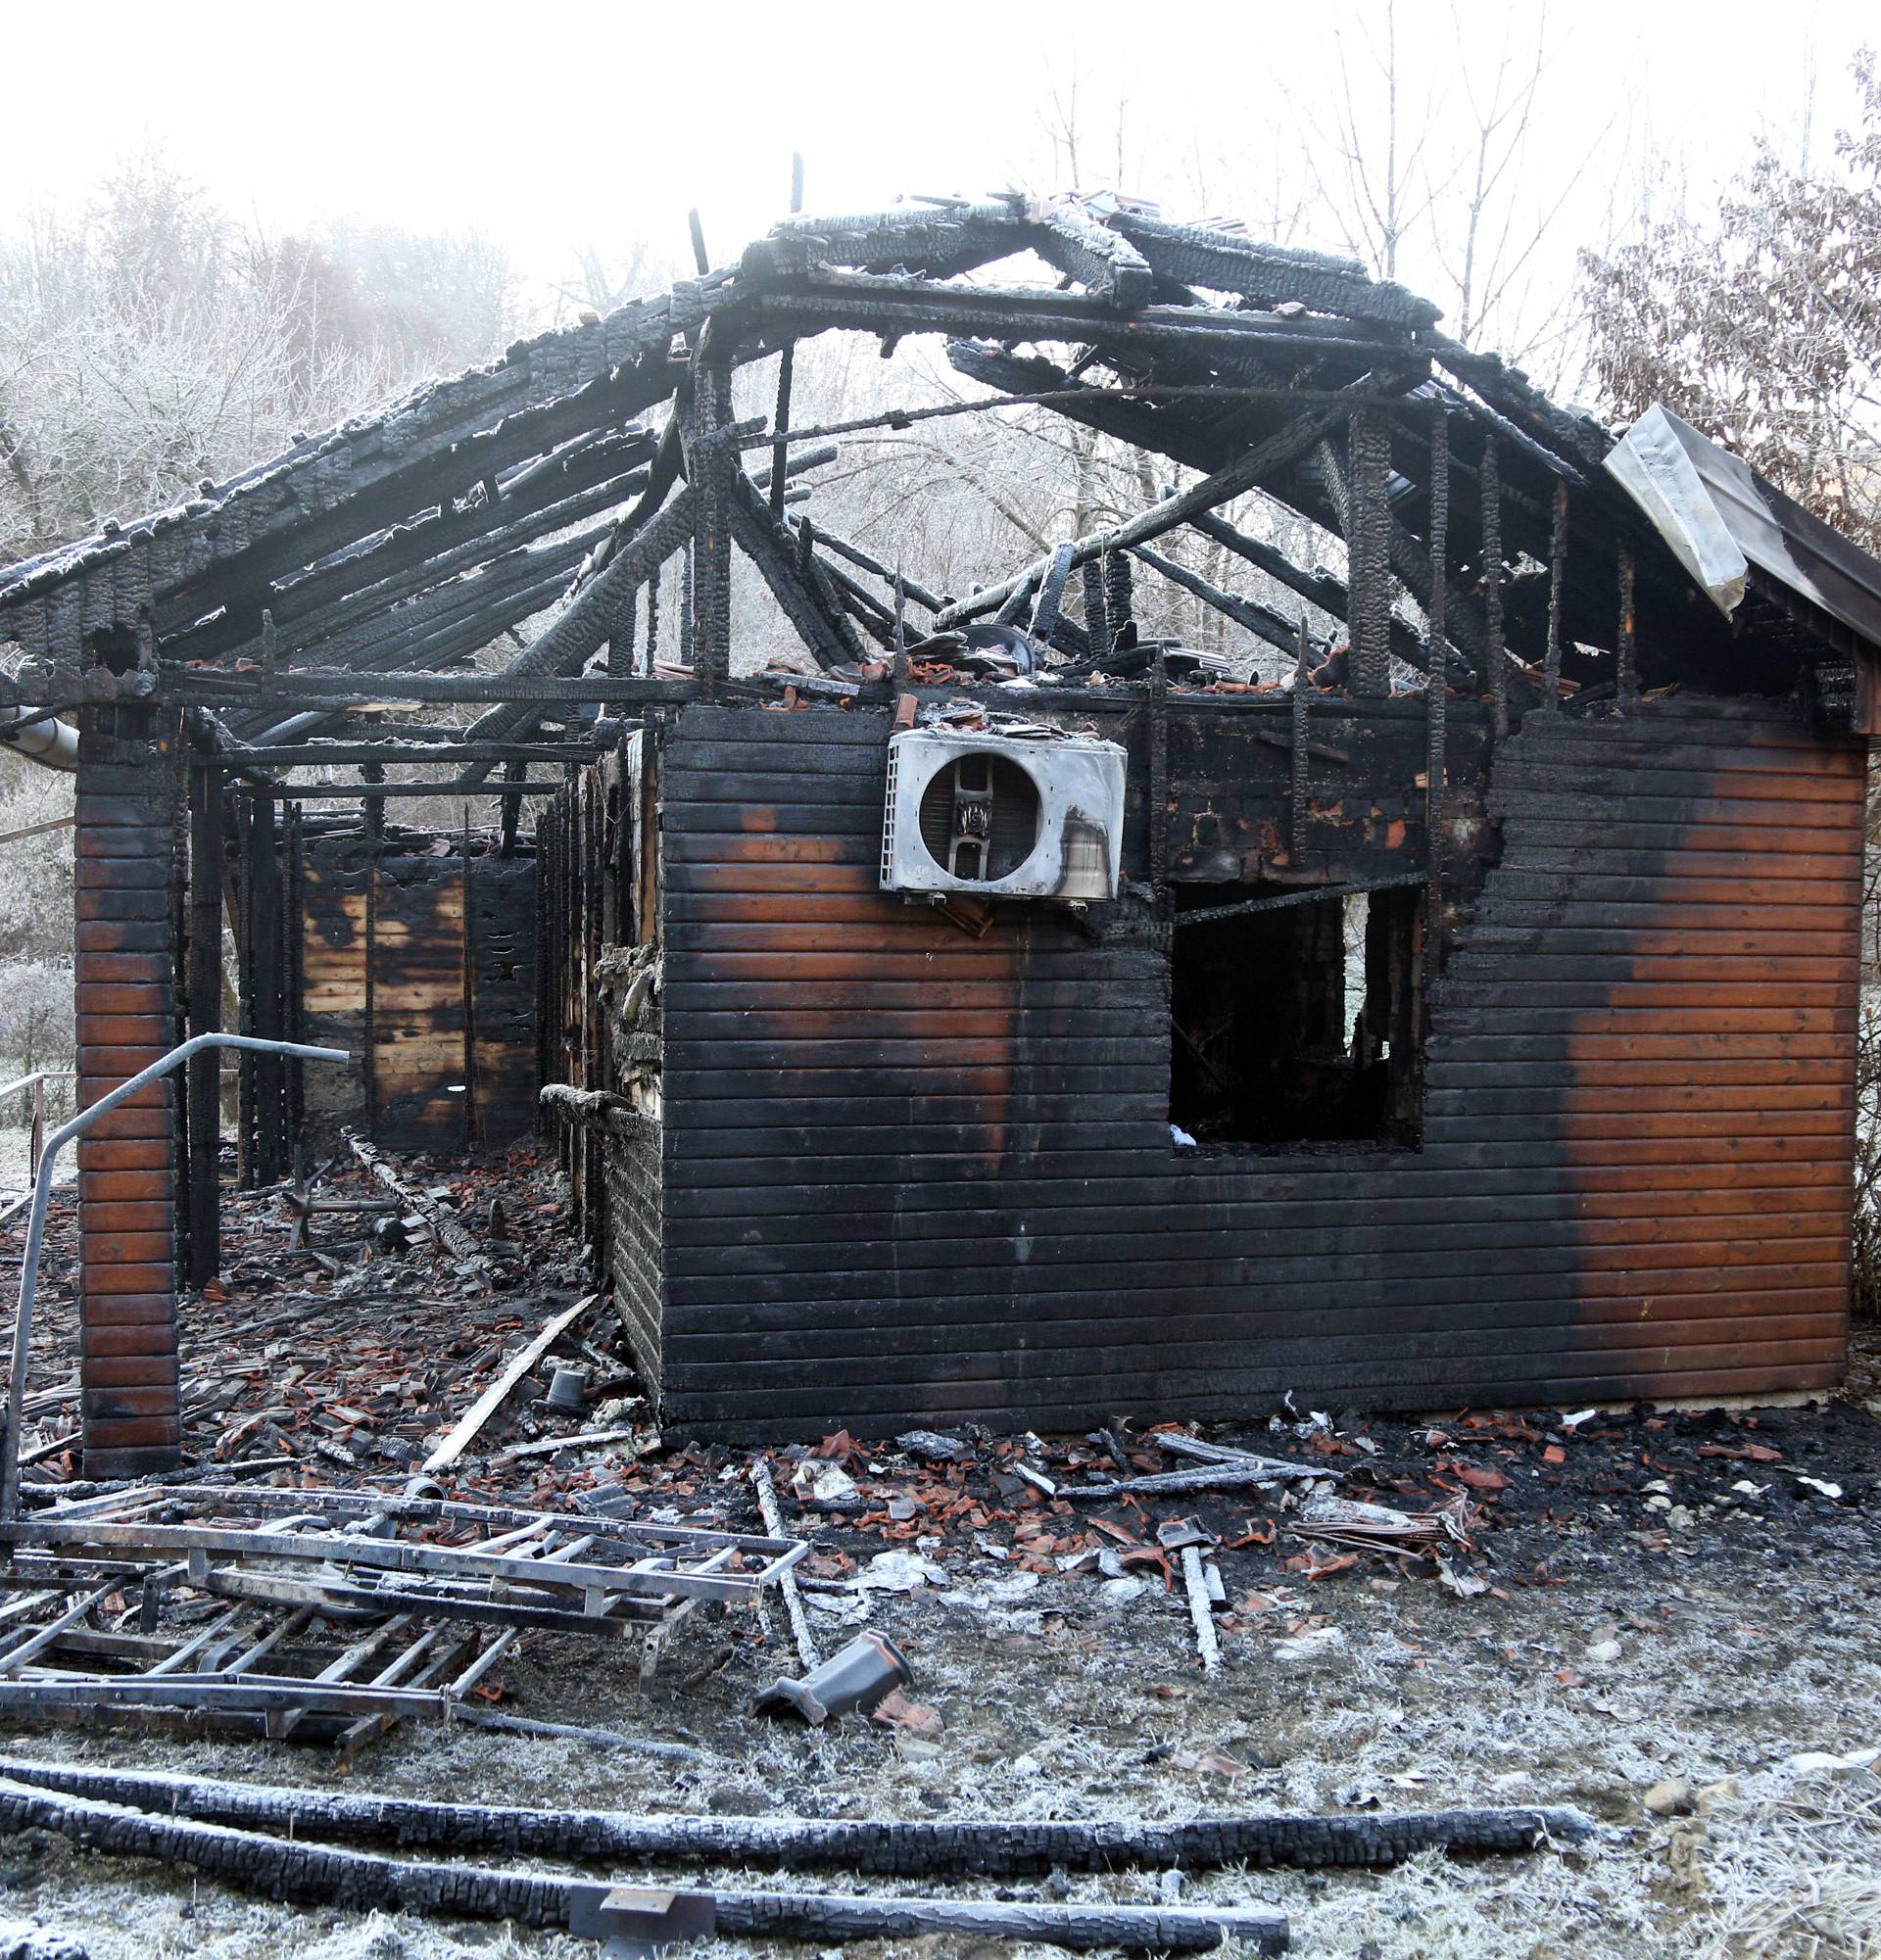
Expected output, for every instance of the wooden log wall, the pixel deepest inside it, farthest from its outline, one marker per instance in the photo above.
(914, 1176)
(599, 909)
(426, 966)
(127, 848)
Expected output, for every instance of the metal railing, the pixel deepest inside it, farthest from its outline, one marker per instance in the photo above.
(41, 1195)
(36, 1083)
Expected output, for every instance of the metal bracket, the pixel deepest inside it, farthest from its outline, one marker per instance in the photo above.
(634, 1922)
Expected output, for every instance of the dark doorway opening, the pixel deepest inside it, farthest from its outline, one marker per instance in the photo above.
(1298, 1019)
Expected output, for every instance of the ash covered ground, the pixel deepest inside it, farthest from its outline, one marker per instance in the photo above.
(1663, 1605)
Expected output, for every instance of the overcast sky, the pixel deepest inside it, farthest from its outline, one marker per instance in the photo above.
(561, 125)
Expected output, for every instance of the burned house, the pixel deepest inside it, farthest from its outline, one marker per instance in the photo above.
(1008, 1015)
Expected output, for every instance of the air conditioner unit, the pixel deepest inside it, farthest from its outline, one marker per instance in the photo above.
(1003, 816)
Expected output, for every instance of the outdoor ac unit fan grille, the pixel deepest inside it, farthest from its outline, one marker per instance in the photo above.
(1008, 798)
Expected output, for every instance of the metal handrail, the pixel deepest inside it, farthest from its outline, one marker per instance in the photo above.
(42, 1192)
(37, 1082)
(37, 1075)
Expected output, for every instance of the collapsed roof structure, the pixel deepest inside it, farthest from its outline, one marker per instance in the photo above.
(1470, 1016)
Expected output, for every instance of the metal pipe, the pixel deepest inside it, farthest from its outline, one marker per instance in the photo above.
(53, 745)
(42, 1192)
(36, 1083)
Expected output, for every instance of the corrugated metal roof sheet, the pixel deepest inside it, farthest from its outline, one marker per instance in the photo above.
(1704, 500)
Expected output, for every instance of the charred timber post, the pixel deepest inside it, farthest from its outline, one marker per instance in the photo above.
(1119, 594)
(1096, 611)
(370, 1049)
(711, 468)
(1368, 548)
(1300, 761)
(781, 449)
(1629, 676)
(203, 1090)
(1159, 792)
(1557, 572)
(1492, 588)
(1435, 690)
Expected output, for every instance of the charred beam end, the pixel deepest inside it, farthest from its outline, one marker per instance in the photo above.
(596, 1109)
(1051, 595)
(1103, 262)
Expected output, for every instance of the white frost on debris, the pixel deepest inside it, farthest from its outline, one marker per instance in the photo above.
(898, 1571)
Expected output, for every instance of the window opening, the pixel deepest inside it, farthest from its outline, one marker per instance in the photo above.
(1297, 1021)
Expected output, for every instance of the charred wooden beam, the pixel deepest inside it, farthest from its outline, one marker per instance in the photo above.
(1103, 262)
(1225, 264)
(1318, 587)
(935, 243)
(1097, 603)
(1230, 481)
(855, 555)
(410, 754)
(369, 792)
(326, 1875)
(539, 502)
(1527, 416)
(1119, 595)
(590, 616)
(421, 483)
(1259, 620)
(877, 1847)
(316, 686)
(904, 305)
(486, 591)
(1171, 432)
(803, 595)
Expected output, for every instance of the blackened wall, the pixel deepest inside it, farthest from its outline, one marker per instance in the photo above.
(910, 1175)
(425, 965)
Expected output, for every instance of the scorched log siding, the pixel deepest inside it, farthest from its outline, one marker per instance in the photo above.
(438, 967)
(914, 1174)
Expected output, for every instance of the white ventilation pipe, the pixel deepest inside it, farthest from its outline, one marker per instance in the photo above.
(54, 744)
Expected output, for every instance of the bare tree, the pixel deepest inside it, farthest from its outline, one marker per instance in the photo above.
(1764, 326)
